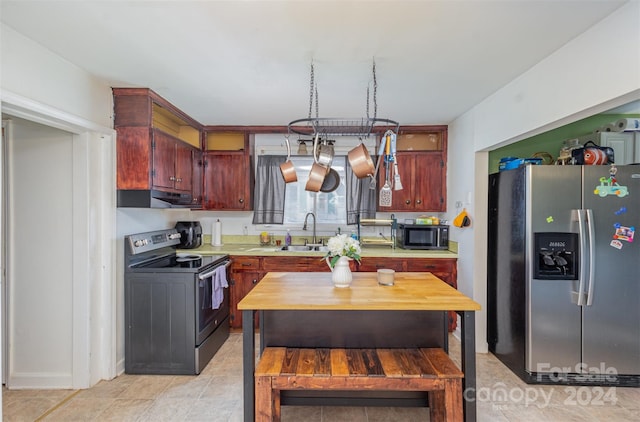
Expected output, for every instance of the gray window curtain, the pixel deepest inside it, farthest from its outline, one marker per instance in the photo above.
(360, 198)
(269, 191)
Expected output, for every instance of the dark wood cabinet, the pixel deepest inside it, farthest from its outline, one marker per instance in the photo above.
(445, 269)
(245, 275)
(374, 264)
(294, 263)
(422, 161)
(173, 163)
(228, 171)
(197, 188)
(226, 181)
(423, 181)
(157, 144)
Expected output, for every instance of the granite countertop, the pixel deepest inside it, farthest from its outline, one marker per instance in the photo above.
(367, 251)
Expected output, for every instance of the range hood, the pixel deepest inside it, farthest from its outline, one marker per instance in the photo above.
(153, 199)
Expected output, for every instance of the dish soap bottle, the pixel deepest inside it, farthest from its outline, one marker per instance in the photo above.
(287, 239)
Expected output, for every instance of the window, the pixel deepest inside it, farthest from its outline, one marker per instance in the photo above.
(329, 207)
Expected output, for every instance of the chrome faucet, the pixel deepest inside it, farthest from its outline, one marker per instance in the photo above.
(304, 227)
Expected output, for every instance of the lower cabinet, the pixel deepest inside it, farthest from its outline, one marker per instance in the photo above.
(246, 272)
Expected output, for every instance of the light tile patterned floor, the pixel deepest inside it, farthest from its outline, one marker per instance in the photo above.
(216, 395)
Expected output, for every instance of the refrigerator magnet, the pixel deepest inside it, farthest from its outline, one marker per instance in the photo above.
(616, 244)
(624, 233)
(550, 219)
(608, 187)
(622, 210)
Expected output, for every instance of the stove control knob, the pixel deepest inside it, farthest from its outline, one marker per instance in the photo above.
(174, 236)
(138, 243)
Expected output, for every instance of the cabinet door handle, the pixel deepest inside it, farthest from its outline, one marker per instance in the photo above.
(245, 264)
(254, 281)
(241, 200)
(408, 201)
(179, 179)
(419, 201)
(173, 179)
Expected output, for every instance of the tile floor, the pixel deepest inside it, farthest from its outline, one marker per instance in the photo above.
(216, 395)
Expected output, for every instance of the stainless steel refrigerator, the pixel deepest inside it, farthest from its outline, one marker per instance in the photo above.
(563, 286)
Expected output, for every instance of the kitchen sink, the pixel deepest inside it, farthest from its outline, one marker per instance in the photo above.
(304, 248)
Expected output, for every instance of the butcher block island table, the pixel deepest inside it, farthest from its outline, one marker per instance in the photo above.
(305, 310)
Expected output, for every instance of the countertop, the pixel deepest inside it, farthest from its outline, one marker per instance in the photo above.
(367, 251)
(412, 291)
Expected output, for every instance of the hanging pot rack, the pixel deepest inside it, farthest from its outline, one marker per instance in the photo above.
(337, 126)
(328, 126)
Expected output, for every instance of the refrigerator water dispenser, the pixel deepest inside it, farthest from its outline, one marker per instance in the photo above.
(556, 256)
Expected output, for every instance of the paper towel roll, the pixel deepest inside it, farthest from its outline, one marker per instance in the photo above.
(216, 236)
(628, 124)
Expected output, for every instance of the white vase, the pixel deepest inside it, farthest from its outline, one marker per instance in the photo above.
(341, 273)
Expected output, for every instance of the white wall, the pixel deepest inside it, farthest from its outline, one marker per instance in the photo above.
(40, 191)
(44, 88)
(35, 73)
(598, 70)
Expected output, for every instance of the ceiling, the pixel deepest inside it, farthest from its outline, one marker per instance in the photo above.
(248, 62)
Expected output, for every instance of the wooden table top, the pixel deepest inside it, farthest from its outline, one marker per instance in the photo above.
(412, 291)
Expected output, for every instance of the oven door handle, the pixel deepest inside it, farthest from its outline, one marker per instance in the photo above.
(210, 273)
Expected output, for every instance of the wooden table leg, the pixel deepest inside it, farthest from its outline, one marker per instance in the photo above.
(248, 364)
(468, 351)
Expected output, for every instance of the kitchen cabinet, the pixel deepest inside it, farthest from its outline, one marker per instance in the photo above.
(422, 167)
(445, 269)
(197, 188)
(294, 263)
(173, 162)
(246, 273)
(374, 264)
(626, 146)
(157, 144)
(228, 172)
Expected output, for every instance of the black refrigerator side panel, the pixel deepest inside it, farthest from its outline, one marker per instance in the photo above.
(506, 308)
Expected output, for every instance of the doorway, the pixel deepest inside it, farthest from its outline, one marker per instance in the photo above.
(58, 218)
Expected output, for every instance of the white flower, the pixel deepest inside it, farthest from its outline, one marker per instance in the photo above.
(343, 245)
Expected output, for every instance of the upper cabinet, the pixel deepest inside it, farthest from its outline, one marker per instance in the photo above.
(422, 161)
(228, 171)
(158, 150)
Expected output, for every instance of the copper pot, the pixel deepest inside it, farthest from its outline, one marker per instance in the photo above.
(316, 177)
(287, 168)
(361, 162)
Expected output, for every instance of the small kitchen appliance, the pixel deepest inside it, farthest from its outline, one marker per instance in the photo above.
(423, 236)
(190, 234)
(176, 305)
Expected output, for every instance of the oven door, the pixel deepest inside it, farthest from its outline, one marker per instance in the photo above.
(212, 300)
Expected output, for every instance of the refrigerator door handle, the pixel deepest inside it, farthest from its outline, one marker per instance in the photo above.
(578, 297)
(592, 261)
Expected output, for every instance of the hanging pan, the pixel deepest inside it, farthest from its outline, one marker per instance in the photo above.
(318, 169)
(331, 182)
(287, 168)
(361, 162)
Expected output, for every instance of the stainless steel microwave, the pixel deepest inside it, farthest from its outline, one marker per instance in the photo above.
(422, 236)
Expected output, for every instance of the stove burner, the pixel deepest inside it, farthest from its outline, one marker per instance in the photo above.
(187, 257)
